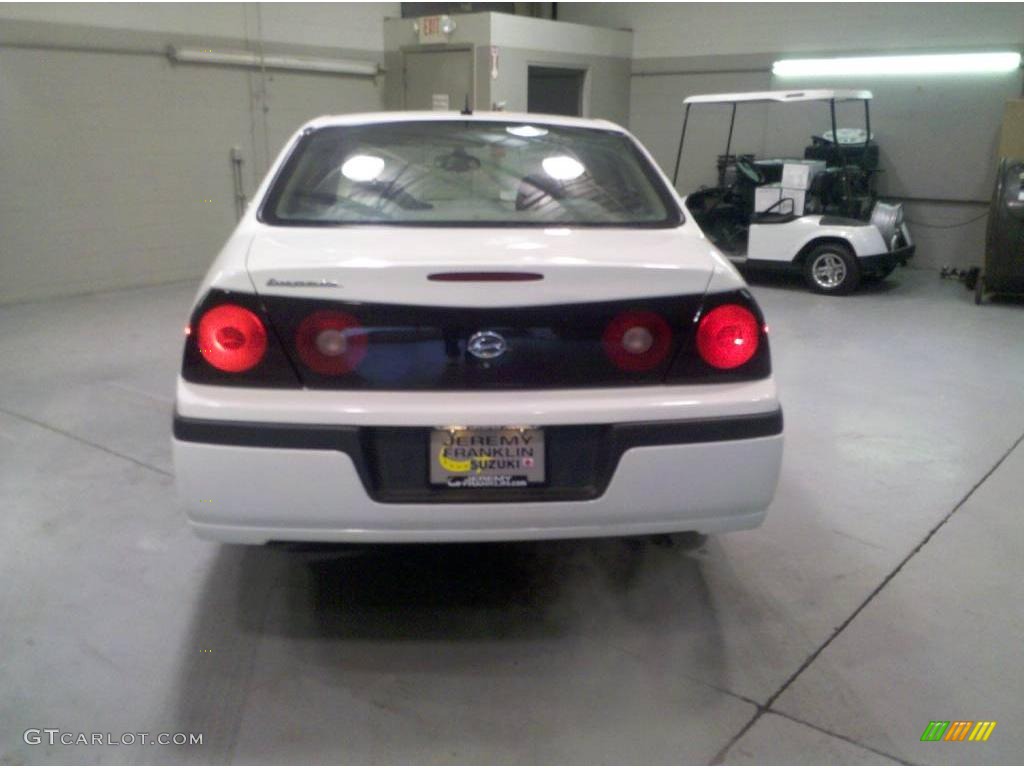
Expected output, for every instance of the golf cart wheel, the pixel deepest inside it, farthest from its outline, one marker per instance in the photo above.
(831, 268)
(979, 290)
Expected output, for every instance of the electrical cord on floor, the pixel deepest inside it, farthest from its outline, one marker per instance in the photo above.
(946, 226)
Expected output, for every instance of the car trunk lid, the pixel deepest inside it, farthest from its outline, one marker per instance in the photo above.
(555, 266)
(419, 308)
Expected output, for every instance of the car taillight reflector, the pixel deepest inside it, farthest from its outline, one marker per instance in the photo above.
(637, 341)
(727, 336)
(331, 343)
(231, 338)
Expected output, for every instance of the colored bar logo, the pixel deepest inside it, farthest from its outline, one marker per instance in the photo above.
(958, 730)
(982, 730)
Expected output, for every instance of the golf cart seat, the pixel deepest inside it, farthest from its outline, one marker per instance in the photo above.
(829, 194)
(826, 187)
(861, 155)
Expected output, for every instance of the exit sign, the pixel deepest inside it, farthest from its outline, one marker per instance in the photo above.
(432, 29)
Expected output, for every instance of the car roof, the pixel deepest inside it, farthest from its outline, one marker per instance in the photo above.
(369, 118)
(779, 96)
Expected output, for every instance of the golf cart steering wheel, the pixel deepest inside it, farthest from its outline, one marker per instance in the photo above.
(750, 171)
(744, 170)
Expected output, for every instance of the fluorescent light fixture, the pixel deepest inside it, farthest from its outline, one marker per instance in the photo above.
(925, 64)
(252, 60)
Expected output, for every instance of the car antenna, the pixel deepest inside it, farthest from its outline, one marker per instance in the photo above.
(466, 109)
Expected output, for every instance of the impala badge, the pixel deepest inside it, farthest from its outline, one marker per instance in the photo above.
(486, 345)
(321, 283)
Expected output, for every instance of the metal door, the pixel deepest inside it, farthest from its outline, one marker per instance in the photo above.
(555, 90)
(441, 79)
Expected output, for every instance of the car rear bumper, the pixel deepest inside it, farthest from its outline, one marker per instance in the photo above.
(252, 483)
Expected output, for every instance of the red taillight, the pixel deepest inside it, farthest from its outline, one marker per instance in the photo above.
(728, 336)
(331, 343)
(637, 341)
(231, 338)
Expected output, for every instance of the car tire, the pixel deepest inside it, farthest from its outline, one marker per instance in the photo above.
(832, 269)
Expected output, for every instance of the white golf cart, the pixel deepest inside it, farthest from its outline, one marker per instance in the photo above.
(818, 214)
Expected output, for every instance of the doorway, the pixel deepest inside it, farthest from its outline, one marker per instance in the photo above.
(555, 91)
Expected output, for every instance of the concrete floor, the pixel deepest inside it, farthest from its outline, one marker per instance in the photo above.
(884, 591)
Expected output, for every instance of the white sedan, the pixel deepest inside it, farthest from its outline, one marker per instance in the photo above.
(445, 327)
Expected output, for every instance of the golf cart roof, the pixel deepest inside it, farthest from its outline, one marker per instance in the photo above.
(779, 96)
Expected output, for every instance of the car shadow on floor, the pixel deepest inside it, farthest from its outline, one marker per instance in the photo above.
(478, 591)
(444, 611)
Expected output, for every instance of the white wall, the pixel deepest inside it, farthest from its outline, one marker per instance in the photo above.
(354, 26)
(717, 29)
(938, 136)
(115, 161)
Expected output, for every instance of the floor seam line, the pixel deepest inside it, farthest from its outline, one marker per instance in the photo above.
(232, 747)
(725, 691)
(719, 757)
(83, 441)
(839, 736)
(892, 574)
(692, 678)
(766, 707)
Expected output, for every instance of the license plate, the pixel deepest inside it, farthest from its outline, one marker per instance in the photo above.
(487, 458)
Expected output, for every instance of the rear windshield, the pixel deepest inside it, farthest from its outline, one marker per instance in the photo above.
(468, 173)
